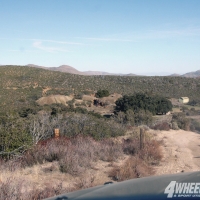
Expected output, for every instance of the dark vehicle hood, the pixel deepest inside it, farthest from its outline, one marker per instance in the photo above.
(153, 187)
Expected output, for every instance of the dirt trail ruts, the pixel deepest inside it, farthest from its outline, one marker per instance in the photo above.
(181, 151)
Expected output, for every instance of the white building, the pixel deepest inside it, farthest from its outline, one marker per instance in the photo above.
(184, 100)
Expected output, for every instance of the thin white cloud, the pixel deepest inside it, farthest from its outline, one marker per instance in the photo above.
(43, 40)
(106, 39)
(39, 45)
(18, 50)
(187, 32)
(137, 36)
(166, 34)
(13, 50)
(60, 42)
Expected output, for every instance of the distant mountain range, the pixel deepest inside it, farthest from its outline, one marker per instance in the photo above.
(175, 75)
(71, 70)
(193, 74)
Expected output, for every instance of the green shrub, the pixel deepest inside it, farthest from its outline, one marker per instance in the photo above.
(143, 117)
(82, 124)
(181, 120)
(127, 118)
(102, 93)
(14, 134)
(175, 126)
(139, 101)
(195, 125)
(78, 96)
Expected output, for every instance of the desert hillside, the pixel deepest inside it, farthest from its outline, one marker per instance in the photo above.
(27, 84)
(62, 132)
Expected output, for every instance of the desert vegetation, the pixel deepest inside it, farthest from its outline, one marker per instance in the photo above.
(24, 122)
(19, 133)
(87, 137)
(140, 101)
(76, 156)
(27, 84)
(139, 108)
(102, 93)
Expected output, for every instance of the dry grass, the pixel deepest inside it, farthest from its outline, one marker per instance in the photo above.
(61, 165)
(14, 189)
(141, 163)
(134, 167)
(74, 155)
(85, 181)
(161, 126)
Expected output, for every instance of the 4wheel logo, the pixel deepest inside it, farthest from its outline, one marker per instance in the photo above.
(178, 190)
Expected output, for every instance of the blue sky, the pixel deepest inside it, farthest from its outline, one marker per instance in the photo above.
(152, 37)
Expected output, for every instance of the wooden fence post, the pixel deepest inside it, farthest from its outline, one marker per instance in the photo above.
(142, 138)
(56, 133)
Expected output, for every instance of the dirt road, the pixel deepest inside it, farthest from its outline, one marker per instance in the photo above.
(181, 150)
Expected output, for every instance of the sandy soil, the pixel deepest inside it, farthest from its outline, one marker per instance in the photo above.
(181, 151)
(54, 99)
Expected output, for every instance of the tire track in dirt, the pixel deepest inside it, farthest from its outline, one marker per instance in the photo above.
(181, 151)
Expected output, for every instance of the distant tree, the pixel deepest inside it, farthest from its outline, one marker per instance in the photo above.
(102, 93)
(163, 105)
(140, 101)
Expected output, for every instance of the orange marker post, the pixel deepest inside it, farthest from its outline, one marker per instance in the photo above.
(56, 133)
